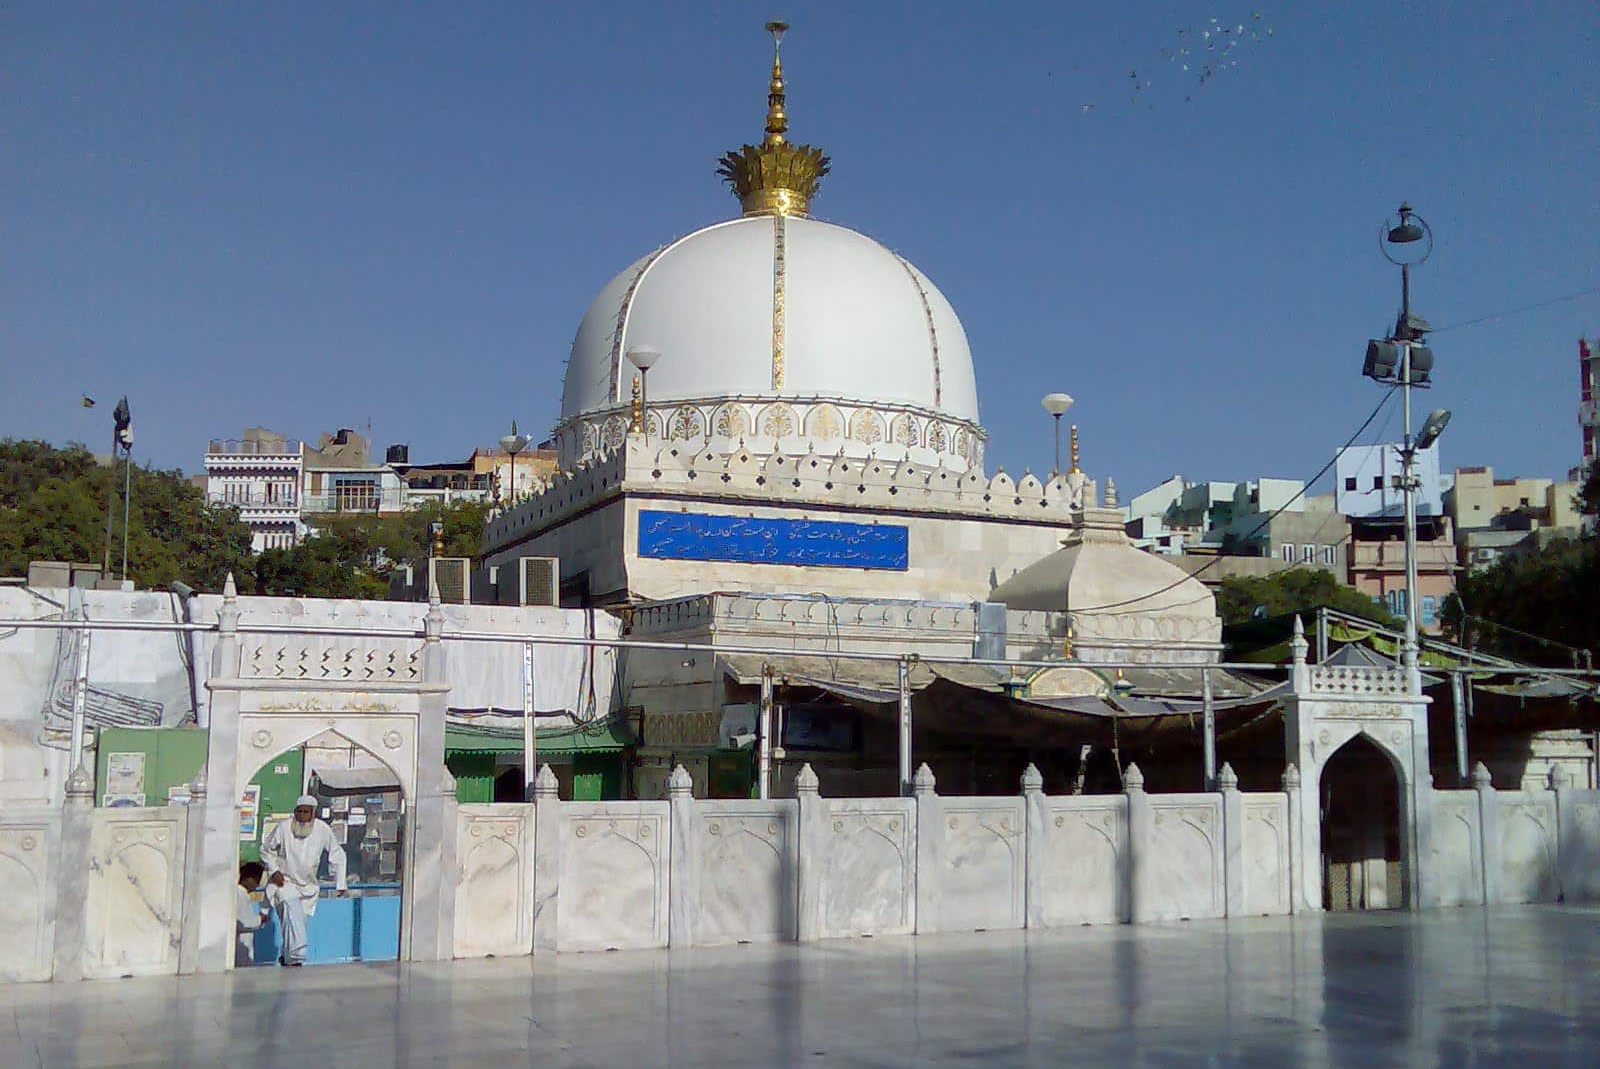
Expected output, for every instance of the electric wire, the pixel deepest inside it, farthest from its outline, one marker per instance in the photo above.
(1265, 520)
(1518, 311)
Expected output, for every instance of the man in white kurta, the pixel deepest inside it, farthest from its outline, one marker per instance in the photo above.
(292, 852)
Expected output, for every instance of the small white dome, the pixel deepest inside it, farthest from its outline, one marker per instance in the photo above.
(856, 323)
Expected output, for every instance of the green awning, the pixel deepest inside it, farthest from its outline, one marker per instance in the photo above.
(608, 737)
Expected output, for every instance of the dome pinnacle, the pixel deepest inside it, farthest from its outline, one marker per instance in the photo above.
(775, 177)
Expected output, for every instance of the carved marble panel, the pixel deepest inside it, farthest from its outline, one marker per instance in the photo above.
(1184, 869)
(1085, 867)
(747, 871)
(494, 910)
(135, 891)
(868, 876)
(982, 885)
(1455, 848)
(1527, 847)
(614, 875)
(1266, 854)
(27, 904)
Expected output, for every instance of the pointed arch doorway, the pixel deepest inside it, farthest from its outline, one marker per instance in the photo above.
(1363, 858)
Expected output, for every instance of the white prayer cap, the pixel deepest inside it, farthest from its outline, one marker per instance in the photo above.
(305, 799)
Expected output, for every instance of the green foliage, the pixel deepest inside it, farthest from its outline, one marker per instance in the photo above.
(1552, 593)
(1589, 492)
(53, 507)
(353, 555)
(1294, 590)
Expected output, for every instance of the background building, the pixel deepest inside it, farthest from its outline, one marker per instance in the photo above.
(259, 473)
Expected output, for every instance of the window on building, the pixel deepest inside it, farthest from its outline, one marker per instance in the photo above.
(1430, 610)
(1397, 602)
(1308, 554)
(1328, 555)
(1350, 483)
(1377, 482)
(1287, 551)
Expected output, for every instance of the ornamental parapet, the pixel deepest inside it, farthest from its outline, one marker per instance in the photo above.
(647, 466)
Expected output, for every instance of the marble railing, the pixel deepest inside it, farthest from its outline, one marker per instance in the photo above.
(1347, 680)
(329, 660)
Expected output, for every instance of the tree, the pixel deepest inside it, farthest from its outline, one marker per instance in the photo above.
(1538, 607)
(1294, 590)
(53, 507)
(1589, 491)
(353, 555)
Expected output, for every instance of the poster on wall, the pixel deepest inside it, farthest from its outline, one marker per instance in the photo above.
(249, 812)
(124, 780)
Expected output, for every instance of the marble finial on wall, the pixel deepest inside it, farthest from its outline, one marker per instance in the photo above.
(1032, 779)
(545, 785)
(1132, 778)
(1481, 780)
(1291, 777)
(923, 781)
(1297, 643)
(1228, 779)
(680, 784)
(80, 786)
(805, 781)
(1111, 492)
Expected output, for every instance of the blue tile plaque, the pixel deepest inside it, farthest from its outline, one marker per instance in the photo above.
(746, 540)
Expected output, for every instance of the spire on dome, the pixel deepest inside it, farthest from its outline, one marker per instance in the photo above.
(775, 177)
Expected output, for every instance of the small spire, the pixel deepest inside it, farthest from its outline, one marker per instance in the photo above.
(777, 118)
(637, 424)
(1075, 469)
(1032, 780)
(923, 782)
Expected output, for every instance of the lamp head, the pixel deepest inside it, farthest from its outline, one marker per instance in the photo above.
(1432, 428)
(643, 357)
(1056, 403)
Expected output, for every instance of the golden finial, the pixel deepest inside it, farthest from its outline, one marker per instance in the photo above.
(1075, 470)
(637, 426)
(775, 177)
(777, 120)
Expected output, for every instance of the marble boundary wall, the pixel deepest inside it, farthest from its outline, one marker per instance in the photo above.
(87, 893)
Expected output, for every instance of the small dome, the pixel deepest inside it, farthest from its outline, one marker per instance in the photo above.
(852, 321)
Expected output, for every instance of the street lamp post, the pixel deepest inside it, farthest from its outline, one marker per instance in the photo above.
(644, 358)
(1056, 404)
(1402, 360)
(513, 444)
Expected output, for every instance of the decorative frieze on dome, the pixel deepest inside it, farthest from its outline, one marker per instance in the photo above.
(764, 424)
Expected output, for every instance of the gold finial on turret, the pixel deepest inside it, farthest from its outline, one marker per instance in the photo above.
(775, 177)
(637, 424)
(1075, 469)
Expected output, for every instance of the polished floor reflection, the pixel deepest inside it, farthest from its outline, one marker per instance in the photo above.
(1453, 988)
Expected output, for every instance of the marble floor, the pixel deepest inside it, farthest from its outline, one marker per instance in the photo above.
(1455, 988)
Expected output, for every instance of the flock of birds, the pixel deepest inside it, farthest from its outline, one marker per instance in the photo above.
(1199, 55)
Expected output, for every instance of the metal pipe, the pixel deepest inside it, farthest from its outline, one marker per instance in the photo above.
(1458, 709)
(80, 689)
(111, 507)
(127, 493)
(764, 737)
(904, 675)
(530, 728)
(1408, 459)
(1209, 724)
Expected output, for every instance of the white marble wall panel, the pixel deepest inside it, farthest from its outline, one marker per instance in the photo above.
(1580, 845)
(1456, 856)
(747, 880)
(983, 865)
(1182, 873)
(1266, 854)
(869, 867)
(135, 891)
(614, 875)
(29, 846)
(1085, 878)
(494, 888)
(1528, 847)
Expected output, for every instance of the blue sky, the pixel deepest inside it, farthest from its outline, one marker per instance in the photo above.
(314, 215)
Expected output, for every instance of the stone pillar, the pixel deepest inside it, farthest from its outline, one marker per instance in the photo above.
(1141, 843)
(217, 847)
(930, 849)
(1034, 824)
(193, 875)
(434, 869)
(683, 886)
(1233, 856)
(1568, 880)
(813, 845)
(72, 876)
(1488, 832)
(1291, 790)
(546, 860)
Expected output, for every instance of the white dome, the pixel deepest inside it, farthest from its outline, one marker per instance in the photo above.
(857, 324)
